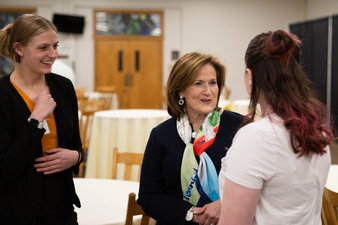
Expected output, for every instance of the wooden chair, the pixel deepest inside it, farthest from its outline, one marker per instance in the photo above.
(87, 109)
(91, 105)
(128, 159)
(330, 208)
(106, 98)
(85, 122)
(106, 89)
(134, 209)
(106, 94)
(80, 92)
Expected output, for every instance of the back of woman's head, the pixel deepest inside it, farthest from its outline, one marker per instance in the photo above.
(22, 30)
(183, 74)
(274, 59)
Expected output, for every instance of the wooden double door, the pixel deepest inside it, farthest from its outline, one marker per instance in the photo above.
(134, 67)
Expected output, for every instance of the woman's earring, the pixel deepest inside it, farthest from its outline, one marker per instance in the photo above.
(20, 54)
(181, 101)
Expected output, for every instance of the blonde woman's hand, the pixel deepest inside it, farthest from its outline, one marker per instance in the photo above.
(44, 106)
(59, 160)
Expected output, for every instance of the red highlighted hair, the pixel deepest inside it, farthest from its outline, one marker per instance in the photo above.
(274, 60)
(280, 45)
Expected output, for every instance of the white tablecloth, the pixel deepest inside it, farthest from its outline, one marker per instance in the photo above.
(332, 179)
(103, 201)
(128, 130)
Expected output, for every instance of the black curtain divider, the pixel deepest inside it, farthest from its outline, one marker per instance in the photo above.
(314, 36)
(334, 76)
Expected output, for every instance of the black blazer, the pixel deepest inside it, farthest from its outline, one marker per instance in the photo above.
(20, 144)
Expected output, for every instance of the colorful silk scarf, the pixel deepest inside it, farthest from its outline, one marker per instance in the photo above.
(199, 182)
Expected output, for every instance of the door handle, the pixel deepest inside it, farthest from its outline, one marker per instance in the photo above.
(137, 61)
(120, 58)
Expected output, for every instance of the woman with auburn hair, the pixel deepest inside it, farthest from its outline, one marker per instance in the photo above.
(179, 175)
(40, 145)
(276, 169)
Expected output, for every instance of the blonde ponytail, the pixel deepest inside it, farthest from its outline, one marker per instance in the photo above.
(6, 50)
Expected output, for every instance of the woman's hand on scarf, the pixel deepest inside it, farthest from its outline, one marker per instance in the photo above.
(59, 160)
(208, 214)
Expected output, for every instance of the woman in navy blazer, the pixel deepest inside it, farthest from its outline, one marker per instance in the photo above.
(173, 189)
(40, 145)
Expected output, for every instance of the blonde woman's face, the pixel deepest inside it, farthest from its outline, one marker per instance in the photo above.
(40, 53)
(201, 96)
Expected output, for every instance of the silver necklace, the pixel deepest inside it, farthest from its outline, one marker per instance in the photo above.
(42, 83)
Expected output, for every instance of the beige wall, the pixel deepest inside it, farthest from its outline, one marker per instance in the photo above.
(318, 8)
(220, 27)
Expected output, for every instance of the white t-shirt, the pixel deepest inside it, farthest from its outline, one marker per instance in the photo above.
(261, 157)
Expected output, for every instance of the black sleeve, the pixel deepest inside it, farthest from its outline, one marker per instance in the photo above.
(20, 142)
(152, 194)
(76, 143)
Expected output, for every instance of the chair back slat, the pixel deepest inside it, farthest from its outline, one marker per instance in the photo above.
(128, 159)
(80, 92)
(127, 172)
(85, 122)
(106, 98)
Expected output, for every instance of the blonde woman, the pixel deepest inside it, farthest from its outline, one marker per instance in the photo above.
(40, 145)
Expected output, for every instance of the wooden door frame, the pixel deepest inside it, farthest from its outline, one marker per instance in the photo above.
(21, 9)
(98, 38)
(125, 37)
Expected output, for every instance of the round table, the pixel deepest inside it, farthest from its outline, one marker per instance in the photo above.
(103, 201)
(128, 130)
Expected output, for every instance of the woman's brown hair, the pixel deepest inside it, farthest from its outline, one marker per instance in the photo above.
(274, 59)
(182, 75)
